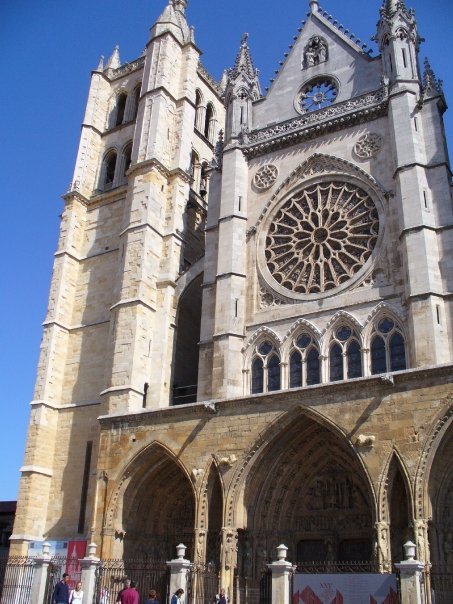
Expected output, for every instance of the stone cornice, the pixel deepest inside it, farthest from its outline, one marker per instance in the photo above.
(336, 117)
(285, 400)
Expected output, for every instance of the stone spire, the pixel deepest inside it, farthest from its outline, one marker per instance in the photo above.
(244, 63)
(100, 66)
(114, 62)
(173, 20)
(430, 82)
(390, 7)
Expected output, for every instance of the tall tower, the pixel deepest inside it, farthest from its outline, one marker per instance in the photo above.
(248, 339)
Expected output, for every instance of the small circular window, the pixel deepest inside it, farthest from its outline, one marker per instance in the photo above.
(317, 94)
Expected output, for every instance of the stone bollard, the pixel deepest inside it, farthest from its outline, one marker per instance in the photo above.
(89, 566)
(41, 572)
(410, 576)
(179, 568)
(281, 576)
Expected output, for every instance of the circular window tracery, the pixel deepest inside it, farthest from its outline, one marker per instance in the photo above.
(321, 237)
(265, 177)
(317, 94)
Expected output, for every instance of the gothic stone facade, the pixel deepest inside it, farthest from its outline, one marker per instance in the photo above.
(248, 338)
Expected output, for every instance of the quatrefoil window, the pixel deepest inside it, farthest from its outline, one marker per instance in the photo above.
(321, 237)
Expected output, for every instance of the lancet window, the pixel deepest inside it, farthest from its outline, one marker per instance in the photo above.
(388, 350)
(120, 108)
(209, 122)
(108, 171)
(304, 363)
(265, 368)
(345, 355)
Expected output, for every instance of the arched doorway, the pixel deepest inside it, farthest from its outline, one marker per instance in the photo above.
(440, 492)
(309, 491)
(158, 508)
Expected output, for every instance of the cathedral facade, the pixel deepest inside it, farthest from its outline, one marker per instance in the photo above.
(249, 333)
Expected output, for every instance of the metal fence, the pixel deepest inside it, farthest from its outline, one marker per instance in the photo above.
(441, 583)
(16, 579)
(57, 567)
(146, 574)
(254, 590)
(326, 568)
(202, 584)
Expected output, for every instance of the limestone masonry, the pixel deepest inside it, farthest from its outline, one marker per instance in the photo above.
(249, 333)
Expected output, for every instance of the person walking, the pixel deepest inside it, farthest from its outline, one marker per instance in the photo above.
(152, 598)
(221, 597)
(76, 595)
(130, 595)
(61, 591)
(177, 597)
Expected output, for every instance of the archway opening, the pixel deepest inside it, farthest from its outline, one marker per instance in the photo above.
(440, 493)
(309, 491)
(215, 506)
(158, 508)
(398, 506)
(186, 355)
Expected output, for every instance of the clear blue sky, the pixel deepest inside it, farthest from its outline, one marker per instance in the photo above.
(47, 50)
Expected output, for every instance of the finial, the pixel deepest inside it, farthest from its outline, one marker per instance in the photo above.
(314, 6)
(180, 5)
(244, 39)
(100, 66)
(114, 62)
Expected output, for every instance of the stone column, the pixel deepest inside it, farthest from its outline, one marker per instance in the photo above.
(281, 571)
(410, 576)
(89, 566)
(179, 568)
(38, 588)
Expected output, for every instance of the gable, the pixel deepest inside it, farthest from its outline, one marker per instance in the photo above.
(352, 70)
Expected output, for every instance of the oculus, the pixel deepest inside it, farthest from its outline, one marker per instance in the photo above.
(317, 94)
(321, 237)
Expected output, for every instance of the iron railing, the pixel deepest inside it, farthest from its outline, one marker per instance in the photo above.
(202, 584)
(145, 573)
(441, 583)
(16, 579)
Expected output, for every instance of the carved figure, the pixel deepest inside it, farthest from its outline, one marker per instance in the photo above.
(315, 52)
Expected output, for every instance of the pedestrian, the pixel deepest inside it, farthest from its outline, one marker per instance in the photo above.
(126, 585)
(221, 597)
(152, 598)
(76, 595)
(61, 591)
(130, 595)
(177, 597)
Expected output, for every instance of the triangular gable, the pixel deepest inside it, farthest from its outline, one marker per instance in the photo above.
(348, 64)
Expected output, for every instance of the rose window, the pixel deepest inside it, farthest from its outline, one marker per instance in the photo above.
(321, 237)
(317, 95)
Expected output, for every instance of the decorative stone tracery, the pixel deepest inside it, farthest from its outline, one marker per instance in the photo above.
(265, 177)
(369, 145)
(321, 237)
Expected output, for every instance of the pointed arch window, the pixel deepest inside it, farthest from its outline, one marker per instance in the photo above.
(199, 111)
(388, 348)
(120, 108)
(127, 158)
(209, 122)
(304, 368)
(345, 355)
(135, 100)
(109, 169)
(266, 374)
